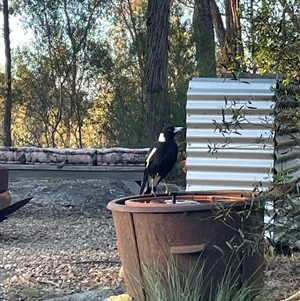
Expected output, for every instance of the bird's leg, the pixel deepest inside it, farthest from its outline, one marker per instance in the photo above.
(152, 188)
(167, 188)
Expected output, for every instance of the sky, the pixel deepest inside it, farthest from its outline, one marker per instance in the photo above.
(17, 36)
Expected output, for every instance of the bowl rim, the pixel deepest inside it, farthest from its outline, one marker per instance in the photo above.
(140, 203)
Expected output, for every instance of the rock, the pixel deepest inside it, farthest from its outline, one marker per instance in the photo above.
(121, 273)
(94, 194)
(102, 294)
(123, 297)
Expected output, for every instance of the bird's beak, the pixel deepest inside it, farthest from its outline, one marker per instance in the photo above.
(178, 129)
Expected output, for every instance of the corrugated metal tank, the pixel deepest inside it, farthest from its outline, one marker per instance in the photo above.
(244, 157)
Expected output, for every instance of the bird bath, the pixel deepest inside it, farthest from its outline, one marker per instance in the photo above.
(185, 225)
(8, 205)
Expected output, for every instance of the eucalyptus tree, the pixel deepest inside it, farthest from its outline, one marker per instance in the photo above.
(223, 19)
(156, 68)
(182, 60)
(204, 38)
(114, 73)
(132, 109)
(263, 32)
(65, 35)
(227, 24)
(125, 105)
(124, 102)
(8, 78)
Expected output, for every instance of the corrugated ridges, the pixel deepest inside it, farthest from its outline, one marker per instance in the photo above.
(242, 160)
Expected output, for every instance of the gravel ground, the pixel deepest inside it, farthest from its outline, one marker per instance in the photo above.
(63, 242)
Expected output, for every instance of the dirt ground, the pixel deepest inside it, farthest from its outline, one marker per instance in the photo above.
(63, 241)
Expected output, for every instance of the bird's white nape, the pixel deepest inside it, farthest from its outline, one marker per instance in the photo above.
(161, 137)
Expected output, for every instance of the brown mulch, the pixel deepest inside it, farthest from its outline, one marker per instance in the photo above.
(52, 250)
(282, 279)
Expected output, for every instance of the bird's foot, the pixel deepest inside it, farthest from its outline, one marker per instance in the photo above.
(153, 192)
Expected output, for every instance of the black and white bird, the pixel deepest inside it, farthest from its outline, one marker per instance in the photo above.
(161, 160)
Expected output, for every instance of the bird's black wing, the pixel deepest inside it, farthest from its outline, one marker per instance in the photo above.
(166, 156)
(149, 172)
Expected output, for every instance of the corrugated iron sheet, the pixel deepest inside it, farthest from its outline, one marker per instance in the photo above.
(238, 160)
(287, 136)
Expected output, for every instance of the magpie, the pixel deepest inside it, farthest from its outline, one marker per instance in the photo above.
(161, 160)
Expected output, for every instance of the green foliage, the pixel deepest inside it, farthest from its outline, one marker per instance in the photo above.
(198, 283)
(56, 78)
(125, 121)
(45, 103)
(249, 238)
(277, 26)
(81, 82)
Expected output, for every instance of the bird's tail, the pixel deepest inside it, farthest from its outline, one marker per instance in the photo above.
(146, 185)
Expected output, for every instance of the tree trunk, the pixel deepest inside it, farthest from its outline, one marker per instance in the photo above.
(156, 69)
(204, 38)
(229, 36)
(218, 22)
(8, 95)
(233, 40)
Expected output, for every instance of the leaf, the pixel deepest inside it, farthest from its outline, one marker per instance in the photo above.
(224, 66)
(269, 273)
(219, 249)
(234, 76)
(229, 245)
(283, 153)
(241, 233)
